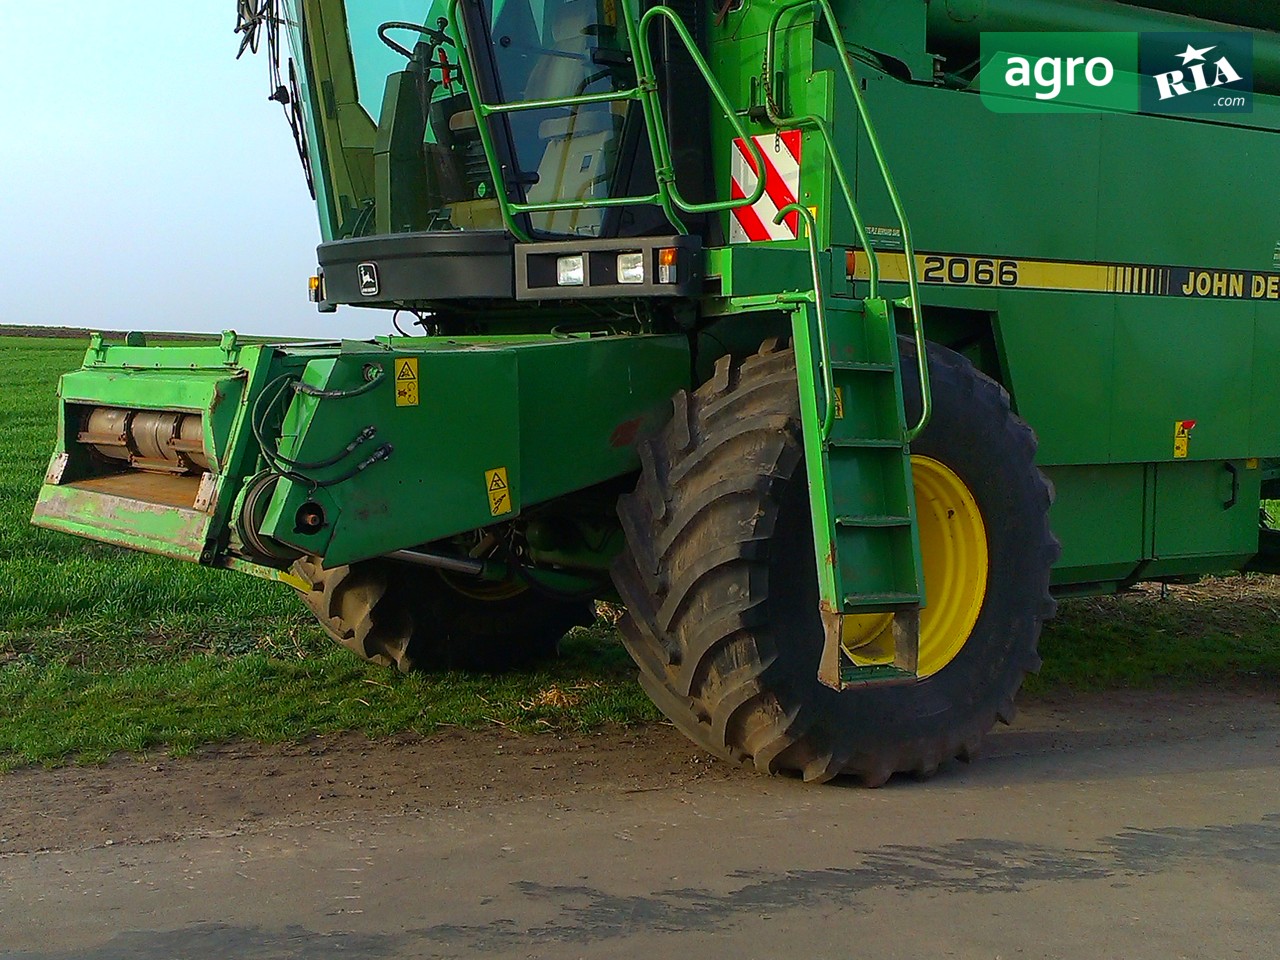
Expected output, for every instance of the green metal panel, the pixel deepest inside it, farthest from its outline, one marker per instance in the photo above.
(1206, 509)
(1098, 515)
(1264, 398)
(128, 522)
(557, 414)
(1060, 355)
(1181, 192)
(1165, 371)
(981, 182)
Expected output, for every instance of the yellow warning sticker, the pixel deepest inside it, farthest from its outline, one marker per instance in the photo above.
(1182, 438)
(839, 403)
(495, 482)
(407, 382)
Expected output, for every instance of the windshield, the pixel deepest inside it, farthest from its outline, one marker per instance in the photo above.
(399, 144)
(561, 48)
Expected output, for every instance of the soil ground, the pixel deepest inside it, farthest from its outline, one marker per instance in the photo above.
(241, 788)
(1143, 826)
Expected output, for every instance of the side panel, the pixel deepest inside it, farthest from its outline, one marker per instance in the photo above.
(1188, 495)
(548, 416)
(1099, 546)
(1104, 377)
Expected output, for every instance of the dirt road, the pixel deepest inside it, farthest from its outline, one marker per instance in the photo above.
(1138, 826)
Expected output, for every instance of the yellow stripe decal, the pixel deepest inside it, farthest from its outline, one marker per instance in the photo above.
(1010, 273)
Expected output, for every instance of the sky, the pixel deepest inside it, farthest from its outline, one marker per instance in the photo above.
(146, 183)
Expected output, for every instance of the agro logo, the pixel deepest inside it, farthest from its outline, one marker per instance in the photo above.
(1197, 73)
(368, 273)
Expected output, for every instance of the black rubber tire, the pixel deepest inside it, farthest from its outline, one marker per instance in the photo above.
(721, 591)
(412, 618)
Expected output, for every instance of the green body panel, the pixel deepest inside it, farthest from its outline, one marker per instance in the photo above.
(483, 405)
(1187, 493)
(1102, 377)
(1112, 550)
(125, 521)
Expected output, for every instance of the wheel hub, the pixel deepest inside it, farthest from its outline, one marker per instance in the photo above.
(953, 547)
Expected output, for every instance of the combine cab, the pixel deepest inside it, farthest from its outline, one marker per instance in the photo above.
(664, 334)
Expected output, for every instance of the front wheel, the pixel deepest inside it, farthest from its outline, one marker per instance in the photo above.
(415, 618)
(721, 587)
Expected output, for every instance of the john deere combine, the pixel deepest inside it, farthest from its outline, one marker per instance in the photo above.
(663, 334)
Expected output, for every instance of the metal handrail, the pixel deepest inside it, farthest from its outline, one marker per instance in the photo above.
(820, 124)
(646, 92)
(824, 343)
(757, 157)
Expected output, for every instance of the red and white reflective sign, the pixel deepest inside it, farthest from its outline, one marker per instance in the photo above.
(781, 187)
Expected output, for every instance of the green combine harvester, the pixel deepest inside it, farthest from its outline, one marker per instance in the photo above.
(664, 335)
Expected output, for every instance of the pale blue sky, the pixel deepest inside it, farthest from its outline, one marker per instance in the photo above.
(145, 180)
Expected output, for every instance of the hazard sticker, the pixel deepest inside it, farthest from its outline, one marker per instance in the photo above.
(839, 402)
(407, 382)
(781, 153)
(495, 482)
(1182, 438)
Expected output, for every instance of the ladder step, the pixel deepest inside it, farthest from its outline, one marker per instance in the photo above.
(881, 675)
(882, 600)
(873, 521)
(856, 443)
(863, 366)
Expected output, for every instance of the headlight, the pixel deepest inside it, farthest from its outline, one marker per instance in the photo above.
(631, 268)
(570, 271)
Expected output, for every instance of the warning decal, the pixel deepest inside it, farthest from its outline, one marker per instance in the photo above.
(781, 153)
(495, 482)
(1182, 438)
(407, 382)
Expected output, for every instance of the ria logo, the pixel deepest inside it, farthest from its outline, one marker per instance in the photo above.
(1197, 72)
(368, 274)
(1194, 78)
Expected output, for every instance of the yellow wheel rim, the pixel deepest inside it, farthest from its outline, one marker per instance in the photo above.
(953, 546)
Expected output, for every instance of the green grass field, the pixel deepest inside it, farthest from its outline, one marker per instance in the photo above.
(104, 650)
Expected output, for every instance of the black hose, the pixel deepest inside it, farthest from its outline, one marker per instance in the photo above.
(290, 468)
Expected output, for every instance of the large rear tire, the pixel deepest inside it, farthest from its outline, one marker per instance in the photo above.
(396, 614)
(721, 590)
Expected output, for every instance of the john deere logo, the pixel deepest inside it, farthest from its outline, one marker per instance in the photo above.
(368, 273)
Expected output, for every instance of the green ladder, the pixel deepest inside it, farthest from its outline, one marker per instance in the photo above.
(856, 438)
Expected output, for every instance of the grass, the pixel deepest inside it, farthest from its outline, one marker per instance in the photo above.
(103, 650)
